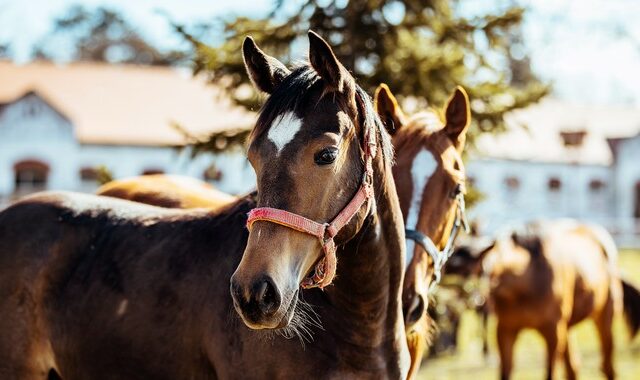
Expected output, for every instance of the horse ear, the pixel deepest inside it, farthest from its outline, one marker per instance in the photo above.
(480, 264)
(265, 72)
(388, 109)
(486, 248)
(458, 115)
(327, 65)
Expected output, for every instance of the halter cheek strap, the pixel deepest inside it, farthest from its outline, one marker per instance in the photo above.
(440, 257)
(325, 269)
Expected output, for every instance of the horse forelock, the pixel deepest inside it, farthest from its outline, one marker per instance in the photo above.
(421, 132)
(296, 91)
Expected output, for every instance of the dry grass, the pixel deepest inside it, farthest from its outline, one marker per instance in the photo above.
(469, 363)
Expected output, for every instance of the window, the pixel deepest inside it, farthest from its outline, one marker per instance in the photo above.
(554, 184)
(573, 138)
(597, 185)
(512, 183)
(212, 173)
(30, 176)
(152, 171)
(88, 174)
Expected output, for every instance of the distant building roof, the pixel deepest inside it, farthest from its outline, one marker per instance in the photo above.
(125, 104)
(559, 131)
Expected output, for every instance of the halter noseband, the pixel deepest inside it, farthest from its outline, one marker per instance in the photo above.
(325, 269)
(440, 258)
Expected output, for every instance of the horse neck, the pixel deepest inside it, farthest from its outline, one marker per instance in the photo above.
(366, 291)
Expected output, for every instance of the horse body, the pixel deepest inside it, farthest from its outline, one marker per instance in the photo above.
(564, 264)
(551, 277)
(430, 180)
(99, 288)
(99, 299)
(119, 294)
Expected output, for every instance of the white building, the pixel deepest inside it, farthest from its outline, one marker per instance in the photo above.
(562, 160)
(58, 123)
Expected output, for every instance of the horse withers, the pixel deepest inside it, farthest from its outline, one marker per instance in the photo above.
(549, 276)
(96, 288)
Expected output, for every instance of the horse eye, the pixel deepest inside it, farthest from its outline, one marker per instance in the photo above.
(326, 156)
(456, 191)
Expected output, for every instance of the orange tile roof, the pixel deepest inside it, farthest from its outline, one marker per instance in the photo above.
(125, 104)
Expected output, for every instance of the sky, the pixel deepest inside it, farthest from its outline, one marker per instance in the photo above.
(588, 49)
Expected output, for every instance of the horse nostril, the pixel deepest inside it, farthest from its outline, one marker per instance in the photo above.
(263, 288)
(236, 292)
(266, 296)
(415, 310)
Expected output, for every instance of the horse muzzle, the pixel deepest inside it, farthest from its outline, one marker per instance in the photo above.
(257, 301)
(261, 304)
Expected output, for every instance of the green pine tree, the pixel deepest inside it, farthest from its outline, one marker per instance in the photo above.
(421, 48)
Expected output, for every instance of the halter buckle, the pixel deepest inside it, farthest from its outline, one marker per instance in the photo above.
(330, 232)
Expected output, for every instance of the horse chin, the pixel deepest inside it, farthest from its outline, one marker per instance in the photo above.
(289, 313)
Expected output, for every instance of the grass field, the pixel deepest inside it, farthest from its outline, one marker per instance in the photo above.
(530, 353)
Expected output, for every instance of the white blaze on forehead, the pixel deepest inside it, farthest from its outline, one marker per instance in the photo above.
(422, 168)
(284, 129)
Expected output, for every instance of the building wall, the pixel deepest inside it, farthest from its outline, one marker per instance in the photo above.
(533, 198)
(31, 130)
(627, 171)
(128, 161)
(627, 177)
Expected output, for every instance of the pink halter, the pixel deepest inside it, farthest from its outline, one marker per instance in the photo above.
(325, 270)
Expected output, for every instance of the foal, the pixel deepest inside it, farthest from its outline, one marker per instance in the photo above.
(549, 277)
(430, 181)
(98, 288)
(429, 151)
(426, 148)
(171, 191)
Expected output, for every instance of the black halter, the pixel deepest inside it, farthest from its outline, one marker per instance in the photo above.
(440, 257)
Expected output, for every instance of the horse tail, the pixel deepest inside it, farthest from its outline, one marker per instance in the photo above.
(631, 302)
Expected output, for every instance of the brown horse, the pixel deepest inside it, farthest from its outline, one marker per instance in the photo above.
(430, 179)
(549, 277)
(98, 288)
(428, 195)
(171, 191)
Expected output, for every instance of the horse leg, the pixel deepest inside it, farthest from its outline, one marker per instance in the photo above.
(24, 354)
(485, 330)
(555, 335)
(604, 322)
(506, 339)
(571, 361)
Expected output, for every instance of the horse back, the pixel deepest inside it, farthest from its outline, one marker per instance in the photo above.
(110, 286)
(589, 263)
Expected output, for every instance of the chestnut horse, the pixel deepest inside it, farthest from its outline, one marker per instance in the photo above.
(548, 277)
(98, 288)
(426, 147)
(430, 179)
(171, 191)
